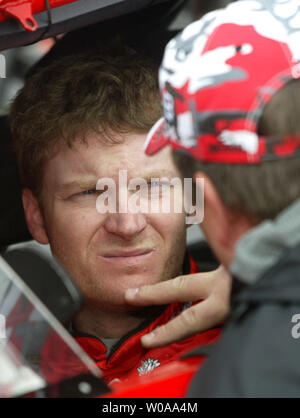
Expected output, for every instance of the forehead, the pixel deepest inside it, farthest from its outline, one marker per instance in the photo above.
(95, 160)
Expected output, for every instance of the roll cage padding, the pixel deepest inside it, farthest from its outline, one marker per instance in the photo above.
(78, 14)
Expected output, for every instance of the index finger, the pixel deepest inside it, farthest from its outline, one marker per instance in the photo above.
(187, 288)
(193, 320)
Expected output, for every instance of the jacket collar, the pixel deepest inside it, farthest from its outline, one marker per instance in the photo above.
(128, 348)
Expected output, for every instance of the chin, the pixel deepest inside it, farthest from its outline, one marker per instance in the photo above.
(117, 286)
(133, 281)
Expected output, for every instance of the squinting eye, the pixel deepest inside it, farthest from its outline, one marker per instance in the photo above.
(88, 192)
(85, 193)
(150, 189)
(160, 184)
(157, 188)
(156, 184)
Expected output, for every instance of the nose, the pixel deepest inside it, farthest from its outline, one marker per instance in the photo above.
(125, 225)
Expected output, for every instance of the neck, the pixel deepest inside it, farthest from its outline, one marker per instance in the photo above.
(263, 246)
(114, 324)
(224, 243)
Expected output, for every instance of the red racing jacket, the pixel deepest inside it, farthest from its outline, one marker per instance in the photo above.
(128, 359)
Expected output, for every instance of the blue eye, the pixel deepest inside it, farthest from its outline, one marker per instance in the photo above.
(88, 192)
(85, 194)
(159, 184)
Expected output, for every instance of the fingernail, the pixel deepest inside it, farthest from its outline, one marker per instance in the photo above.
(148, 337)
(130, 293)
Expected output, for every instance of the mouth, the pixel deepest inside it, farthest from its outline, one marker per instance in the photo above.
(127, 255)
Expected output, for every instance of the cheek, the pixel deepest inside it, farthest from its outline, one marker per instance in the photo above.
(71, 227)
(171, 228)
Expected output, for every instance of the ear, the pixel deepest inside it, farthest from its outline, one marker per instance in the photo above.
(34, 218)
(216, 222)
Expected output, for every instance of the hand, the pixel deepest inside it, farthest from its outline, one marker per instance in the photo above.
(212, 288)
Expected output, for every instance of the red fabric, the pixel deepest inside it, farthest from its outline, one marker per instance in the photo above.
(170, 381)
(123, 364)
(215, 79)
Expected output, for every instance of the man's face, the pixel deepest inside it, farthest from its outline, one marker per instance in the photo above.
(110, 252)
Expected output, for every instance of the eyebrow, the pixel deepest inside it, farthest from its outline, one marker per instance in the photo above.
(158, 174)
(81, 184)
(91, 183)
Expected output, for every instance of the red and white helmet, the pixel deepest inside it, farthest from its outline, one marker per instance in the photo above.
(217, 76)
